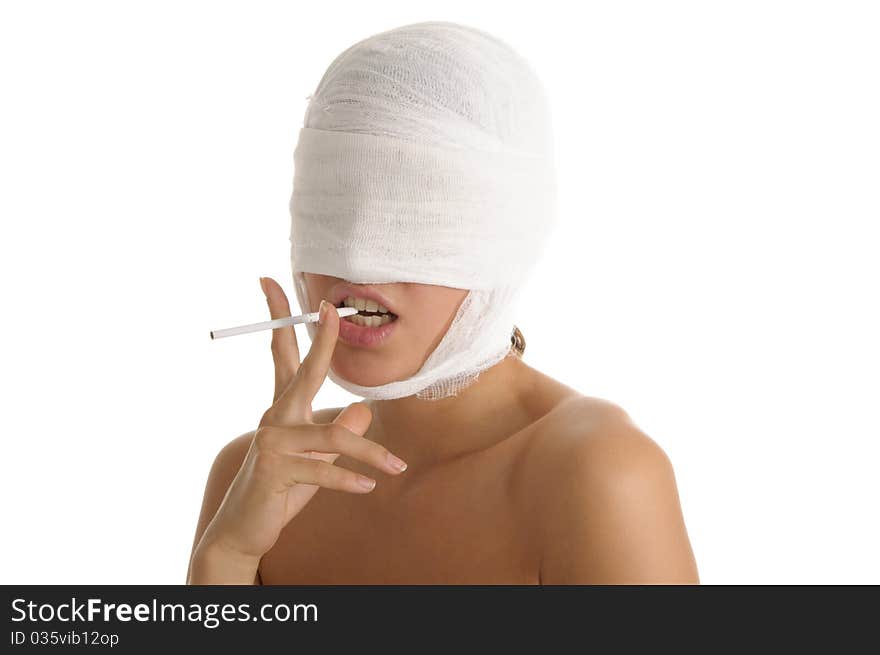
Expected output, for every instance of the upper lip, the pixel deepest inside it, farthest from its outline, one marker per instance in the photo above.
(342, 291)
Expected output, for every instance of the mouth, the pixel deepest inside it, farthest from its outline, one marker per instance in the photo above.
(374, 322)
(371, 313)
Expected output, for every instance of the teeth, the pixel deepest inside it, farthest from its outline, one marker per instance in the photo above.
(362, 304)
(368, 321)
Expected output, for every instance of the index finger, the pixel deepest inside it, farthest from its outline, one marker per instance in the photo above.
(297, 399)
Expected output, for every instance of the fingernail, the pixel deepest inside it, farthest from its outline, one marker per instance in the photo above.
(322, 311)
(366, 482)
(396, 462)
(263, 286)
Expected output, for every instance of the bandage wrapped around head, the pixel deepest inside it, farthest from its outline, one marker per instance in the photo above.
(426, 156)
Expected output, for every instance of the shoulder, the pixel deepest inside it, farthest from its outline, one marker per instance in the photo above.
(595, 439)
(599, 442)
(608, 505)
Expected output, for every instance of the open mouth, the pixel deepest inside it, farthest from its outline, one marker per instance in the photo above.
(370, 314)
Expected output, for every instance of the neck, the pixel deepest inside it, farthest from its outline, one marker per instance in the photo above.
(432, 431)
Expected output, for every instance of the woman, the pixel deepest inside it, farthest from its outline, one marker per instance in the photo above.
(422, 197)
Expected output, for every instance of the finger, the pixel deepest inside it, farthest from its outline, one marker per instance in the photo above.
(322, 474)
(324, 457)
(325, 439)
(285, 350)
(296, 400)
(357, 418)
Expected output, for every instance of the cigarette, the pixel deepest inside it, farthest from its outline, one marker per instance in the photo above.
(311, 317)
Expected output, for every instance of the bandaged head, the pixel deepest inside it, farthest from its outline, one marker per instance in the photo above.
(426, 156)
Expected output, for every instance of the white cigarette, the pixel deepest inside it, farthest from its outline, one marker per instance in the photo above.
(277, 323)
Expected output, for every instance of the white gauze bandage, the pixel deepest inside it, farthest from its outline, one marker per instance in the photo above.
(426, 156)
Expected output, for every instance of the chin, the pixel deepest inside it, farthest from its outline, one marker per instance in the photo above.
(363, 368)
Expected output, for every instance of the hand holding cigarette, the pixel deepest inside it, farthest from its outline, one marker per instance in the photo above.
(289, 458)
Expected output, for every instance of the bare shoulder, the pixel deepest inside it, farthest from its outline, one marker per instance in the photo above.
(598, 438)
(587, 444)
(608, 504)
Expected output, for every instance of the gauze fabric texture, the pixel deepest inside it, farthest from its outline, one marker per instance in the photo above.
(426, 155)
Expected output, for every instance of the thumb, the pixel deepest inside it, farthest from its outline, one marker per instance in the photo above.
(357, 418)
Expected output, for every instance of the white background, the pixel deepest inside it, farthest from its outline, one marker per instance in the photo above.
(717, 255)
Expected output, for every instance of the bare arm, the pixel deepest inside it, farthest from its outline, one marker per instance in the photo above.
(203, 562)
(614, 515)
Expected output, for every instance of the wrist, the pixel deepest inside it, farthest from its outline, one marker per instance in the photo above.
(215, 563)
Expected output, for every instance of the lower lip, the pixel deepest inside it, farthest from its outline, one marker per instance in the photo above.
(364, 337)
